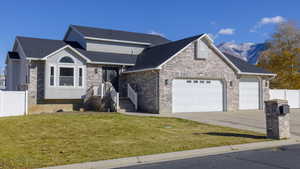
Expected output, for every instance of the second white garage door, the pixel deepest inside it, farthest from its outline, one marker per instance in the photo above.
(197, 95)
(248, 94)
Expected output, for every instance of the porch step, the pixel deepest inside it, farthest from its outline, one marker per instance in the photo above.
(125, 105)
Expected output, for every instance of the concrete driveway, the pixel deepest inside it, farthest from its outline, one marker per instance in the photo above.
(248, 120)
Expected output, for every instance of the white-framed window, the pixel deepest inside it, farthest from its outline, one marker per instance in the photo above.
(66, 76)
(66, 59)
(201, 50)
(52, 76)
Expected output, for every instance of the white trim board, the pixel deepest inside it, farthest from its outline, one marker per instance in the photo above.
(70, 47)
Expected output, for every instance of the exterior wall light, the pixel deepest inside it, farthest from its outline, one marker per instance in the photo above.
(166, 82)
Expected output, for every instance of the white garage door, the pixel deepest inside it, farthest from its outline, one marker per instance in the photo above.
(197, 95)
(248, 94)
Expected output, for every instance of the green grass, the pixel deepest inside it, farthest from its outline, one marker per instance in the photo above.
(57, 139)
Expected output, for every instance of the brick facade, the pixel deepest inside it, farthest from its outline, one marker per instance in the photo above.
(184, 65)
(146, 85)
(155, 87)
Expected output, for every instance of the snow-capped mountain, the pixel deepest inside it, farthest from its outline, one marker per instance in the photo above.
(247, 51)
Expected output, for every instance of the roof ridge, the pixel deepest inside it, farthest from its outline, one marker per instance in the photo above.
(93, 27)
(179, 40)
(27, 37)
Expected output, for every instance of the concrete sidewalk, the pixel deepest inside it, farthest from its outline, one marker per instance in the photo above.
(130, 161)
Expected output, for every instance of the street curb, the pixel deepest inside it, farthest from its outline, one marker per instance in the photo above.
(130, 161)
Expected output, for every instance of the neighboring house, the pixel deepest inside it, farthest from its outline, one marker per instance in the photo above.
(2, 82)
(187, 75)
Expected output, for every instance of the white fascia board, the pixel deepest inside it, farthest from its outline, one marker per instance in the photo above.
(29, 58)
(141, 70)
(258, 74)
(70, 47)
(120, 41)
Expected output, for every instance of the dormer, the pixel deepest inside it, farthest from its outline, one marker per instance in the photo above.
(112, 41)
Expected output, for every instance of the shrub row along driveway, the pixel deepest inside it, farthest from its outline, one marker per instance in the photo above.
(57, 139)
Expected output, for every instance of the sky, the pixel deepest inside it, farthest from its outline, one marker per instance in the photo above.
(225, 20)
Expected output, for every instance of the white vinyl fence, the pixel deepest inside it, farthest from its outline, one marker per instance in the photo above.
(292, 96)
(13, 103)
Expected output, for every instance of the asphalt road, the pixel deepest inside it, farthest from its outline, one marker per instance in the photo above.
(276, 158)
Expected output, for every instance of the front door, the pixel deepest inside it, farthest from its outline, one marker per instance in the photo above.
(111, 74)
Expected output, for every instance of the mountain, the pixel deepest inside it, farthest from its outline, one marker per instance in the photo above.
(246, 51)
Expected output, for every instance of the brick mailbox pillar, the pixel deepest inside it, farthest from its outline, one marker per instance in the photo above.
(277, 118)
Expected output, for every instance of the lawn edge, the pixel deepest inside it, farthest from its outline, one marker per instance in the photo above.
(146, 159)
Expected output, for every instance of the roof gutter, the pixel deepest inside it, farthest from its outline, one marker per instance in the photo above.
(257, 74)
(141, 70)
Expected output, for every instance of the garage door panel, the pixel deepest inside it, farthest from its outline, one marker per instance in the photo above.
(196, 96)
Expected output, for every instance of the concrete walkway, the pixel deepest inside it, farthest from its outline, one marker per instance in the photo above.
(131, 161)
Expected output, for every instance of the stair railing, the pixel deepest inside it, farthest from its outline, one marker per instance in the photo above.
(132, 95)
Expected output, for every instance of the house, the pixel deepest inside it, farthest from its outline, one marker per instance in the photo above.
(149, 72)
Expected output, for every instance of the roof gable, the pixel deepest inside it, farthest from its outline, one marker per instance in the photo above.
(38, 48)
(107, 34)
(153, 57)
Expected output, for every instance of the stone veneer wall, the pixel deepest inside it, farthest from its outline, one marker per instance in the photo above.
(146, 85)
(184, 65)
(36, 84)
(93, 77)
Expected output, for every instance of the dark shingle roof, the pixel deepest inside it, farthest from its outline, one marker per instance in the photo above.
(39, 48)
(245, 67)
(150, 58)
(13, 55)
(156, 55)
(104, 57)
(120, 35)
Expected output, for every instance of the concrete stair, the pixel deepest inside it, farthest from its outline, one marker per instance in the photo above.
(125, 105)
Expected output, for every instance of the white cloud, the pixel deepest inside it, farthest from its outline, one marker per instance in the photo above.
(152, 32)
(272, 20)
(267, 20)
(227, 31)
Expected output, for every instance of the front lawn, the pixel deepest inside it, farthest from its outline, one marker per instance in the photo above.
(57, 139)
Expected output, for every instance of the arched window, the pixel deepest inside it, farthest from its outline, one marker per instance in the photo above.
(66, 59)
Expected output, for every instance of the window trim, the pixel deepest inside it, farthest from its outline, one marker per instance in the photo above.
(83, 76)
(49, 75)
(59, 61)
(74, 75)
